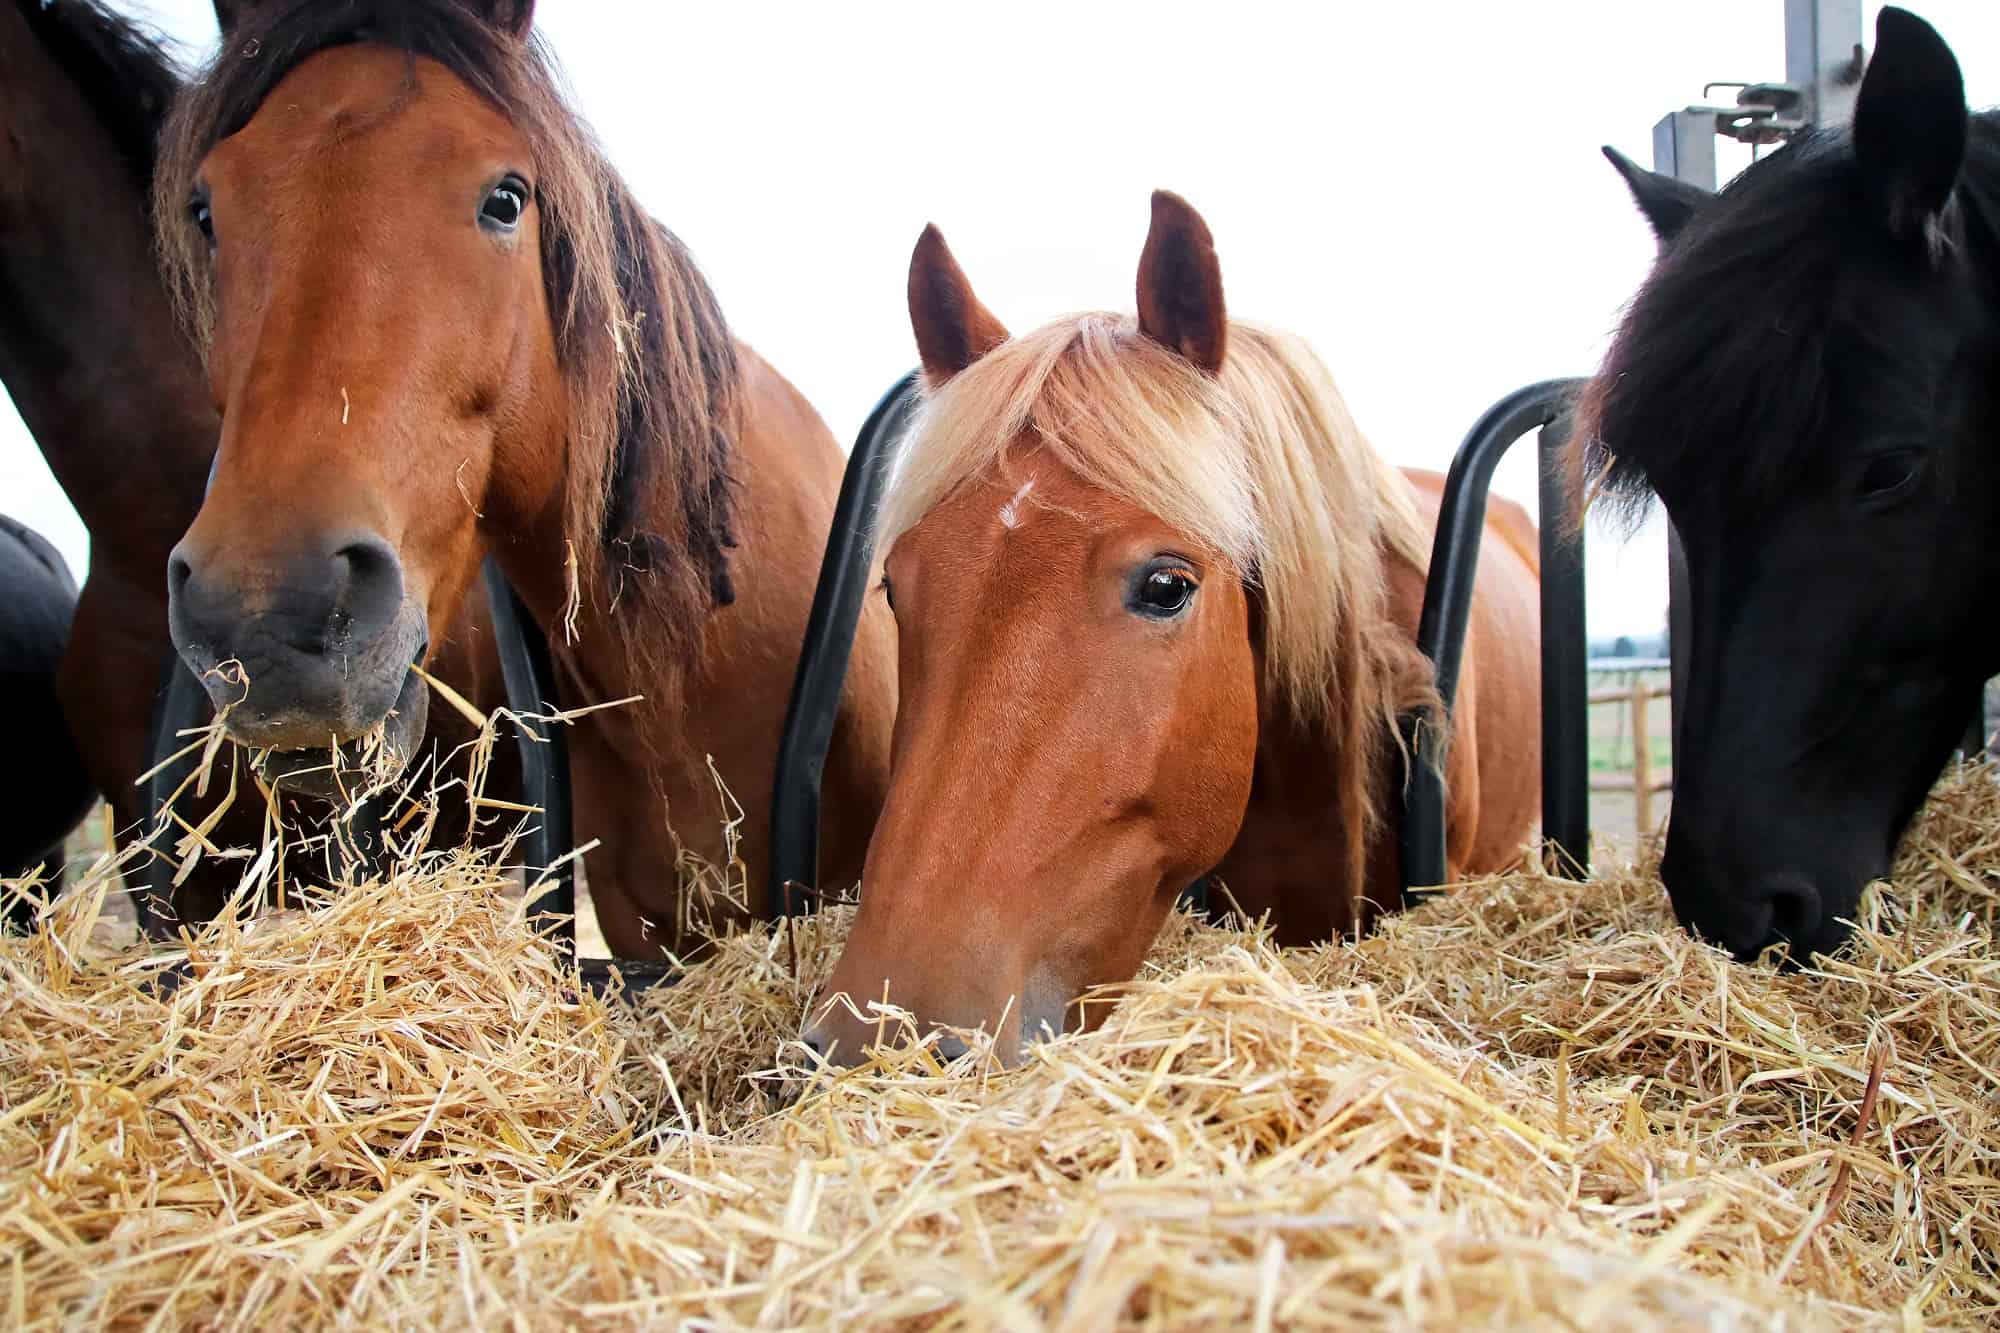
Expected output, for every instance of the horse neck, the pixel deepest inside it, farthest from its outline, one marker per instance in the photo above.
(1301, 761)
(89, 347)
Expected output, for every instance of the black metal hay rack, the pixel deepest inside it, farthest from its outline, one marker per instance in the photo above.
(527, 667)
(1441, 636)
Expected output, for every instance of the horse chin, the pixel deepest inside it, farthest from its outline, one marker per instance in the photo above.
(359, 765)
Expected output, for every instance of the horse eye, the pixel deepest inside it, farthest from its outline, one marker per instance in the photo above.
(1163, 593)
(504, 206)
(198, 209)
(888, 592)
(1888, 474)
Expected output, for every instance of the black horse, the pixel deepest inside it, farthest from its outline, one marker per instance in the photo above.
(1810, 381)
(48, 790)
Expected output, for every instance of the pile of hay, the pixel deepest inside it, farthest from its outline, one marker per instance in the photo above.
(1533, 1102)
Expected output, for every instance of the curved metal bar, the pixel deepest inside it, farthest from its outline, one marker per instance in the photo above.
(829, 641)
(529, 673)
(1448, 609)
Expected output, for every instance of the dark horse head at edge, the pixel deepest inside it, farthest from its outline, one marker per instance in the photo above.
(1808, 382)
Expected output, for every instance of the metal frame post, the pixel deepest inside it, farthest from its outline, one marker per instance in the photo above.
(1684, 147)
(1823, 56)
(1565, 664)
(1448, 610)
(829, 641)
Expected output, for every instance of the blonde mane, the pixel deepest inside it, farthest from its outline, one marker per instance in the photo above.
(1262, 464)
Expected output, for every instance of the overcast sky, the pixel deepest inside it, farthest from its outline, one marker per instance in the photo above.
(1414, 187)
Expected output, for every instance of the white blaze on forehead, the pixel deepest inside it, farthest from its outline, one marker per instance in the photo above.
(1010, 513)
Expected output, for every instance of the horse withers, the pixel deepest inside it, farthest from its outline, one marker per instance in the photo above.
(1807, 381)
(440, 326)
(47, 790)
(1157, 601)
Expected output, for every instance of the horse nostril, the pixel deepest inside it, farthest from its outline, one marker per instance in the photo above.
(1795, 910)
(179, 571)
(370, 583)
(950, 1048)
(1779, 909)
(816, 1041)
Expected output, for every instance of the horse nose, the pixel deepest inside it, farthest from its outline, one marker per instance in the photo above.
(949, 1048)
(1785, 910)
(308, 603)
(1778, 908)
(311, 626)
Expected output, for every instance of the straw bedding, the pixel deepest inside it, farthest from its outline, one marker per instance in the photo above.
(1532, 1103)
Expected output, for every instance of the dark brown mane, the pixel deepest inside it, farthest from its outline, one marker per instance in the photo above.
(650, 364)
(125, 73)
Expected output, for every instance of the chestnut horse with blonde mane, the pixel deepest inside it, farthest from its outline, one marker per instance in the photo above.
(1157, 601)
(439, 326)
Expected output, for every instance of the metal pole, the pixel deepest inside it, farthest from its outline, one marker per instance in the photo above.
(182, 705)
(1448, 609)
(1565, 667)
(822, 669)
(1642, 758)
(1823, 56)
(1684, 147)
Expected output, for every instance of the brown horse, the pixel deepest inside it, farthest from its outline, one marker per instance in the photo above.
(113, 392)
(439, 325)
(1158, 602)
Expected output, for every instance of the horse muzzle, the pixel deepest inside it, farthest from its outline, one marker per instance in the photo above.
(308, 659)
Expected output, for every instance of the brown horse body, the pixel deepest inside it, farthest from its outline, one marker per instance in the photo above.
(441, 327)
(1158, 604)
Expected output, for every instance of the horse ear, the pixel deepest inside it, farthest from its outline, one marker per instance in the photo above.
(1180, 285)
(953, 329)
(1668, 202)
(1909, 122)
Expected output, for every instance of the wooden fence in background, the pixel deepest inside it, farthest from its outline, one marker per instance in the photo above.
(1642, 781)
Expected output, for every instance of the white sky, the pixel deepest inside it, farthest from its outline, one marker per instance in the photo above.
(1414, 187)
